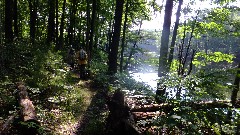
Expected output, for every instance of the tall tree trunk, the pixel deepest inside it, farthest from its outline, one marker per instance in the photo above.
(110, 30)
(56, 26)
(92, 31)
(38, 32)
(112, 57)
(51, 24)
(236, 87)
(15, 18)
(123, 38)
(2, 67)
(81, 35)
(109, 35)
(1, 24)
(72, 22)
(178, 14)
(60, 42)
(33, 17)
(88, 25)
(8, 21)
(165, 39)
(97, 31)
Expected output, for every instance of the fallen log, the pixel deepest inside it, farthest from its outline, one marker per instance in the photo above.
(5, 127)
(146, 115)
(28, 117)
(193, 105)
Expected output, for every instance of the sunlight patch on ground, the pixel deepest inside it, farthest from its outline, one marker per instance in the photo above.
(65, 123)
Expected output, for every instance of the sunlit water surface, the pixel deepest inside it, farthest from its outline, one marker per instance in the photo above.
(147, 78)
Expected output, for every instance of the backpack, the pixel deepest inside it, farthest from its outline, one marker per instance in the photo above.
(82, 55)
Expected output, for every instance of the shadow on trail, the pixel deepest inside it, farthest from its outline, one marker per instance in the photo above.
(93, 120)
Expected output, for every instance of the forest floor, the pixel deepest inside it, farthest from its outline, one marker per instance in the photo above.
(83, 111)
(91, 115)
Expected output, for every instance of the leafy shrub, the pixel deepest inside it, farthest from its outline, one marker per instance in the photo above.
(203, 86)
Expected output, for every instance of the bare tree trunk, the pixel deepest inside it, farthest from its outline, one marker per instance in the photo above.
(180, 53)
(51, 24)
(33, 17)
(56, 46)
(165, 39)
(178, 14)
(71, 25)
(109, 37)
(15, 18)
(88, 25)
(123, 38)
(110, 32)
(38, 32)
(60, 42)
(112, 57)
(1, 25)
(8, 21)
(92, 32)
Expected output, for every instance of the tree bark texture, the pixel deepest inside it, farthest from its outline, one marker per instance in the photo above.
(15, 18)
(72, 22)
(92, 31)
(178, 14)
(116, 37)
(165, 39)
(56, 46)
(88, 25)
(33, 17)
(51, 24)
(124, 33)
(60, 42)
(8, 21)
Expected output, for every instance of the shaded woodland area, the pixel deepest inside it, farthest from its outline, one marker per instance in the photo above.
(197, 62)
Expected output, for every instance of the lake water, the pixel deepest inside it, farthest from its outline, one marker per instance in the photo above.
(150, 78)
(147, 78)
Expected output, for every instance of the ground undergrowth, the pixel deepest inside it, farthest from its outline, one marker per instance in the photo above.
(82, 113)
(79, 109)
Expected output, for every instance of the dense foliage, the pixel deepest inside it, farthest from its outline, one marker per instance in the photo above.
(36, 35)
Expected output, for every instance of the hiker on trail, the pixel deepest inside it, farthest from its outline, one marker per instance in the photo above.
(70, 57)
(82, 60)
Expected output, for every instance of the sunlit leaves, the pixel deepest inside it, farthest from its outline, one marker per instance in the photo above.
(201, 58)
(155, 6)
(218, 22)
(174, 65)
(221, 2)
(138, 10)
(221, 21)
(219, 14)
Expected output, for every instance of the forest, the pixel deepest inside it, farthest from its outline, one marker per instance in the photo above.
(193, 50)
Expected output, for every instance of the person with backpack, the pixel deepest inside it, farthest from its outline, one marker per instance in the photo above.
(82, 60)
